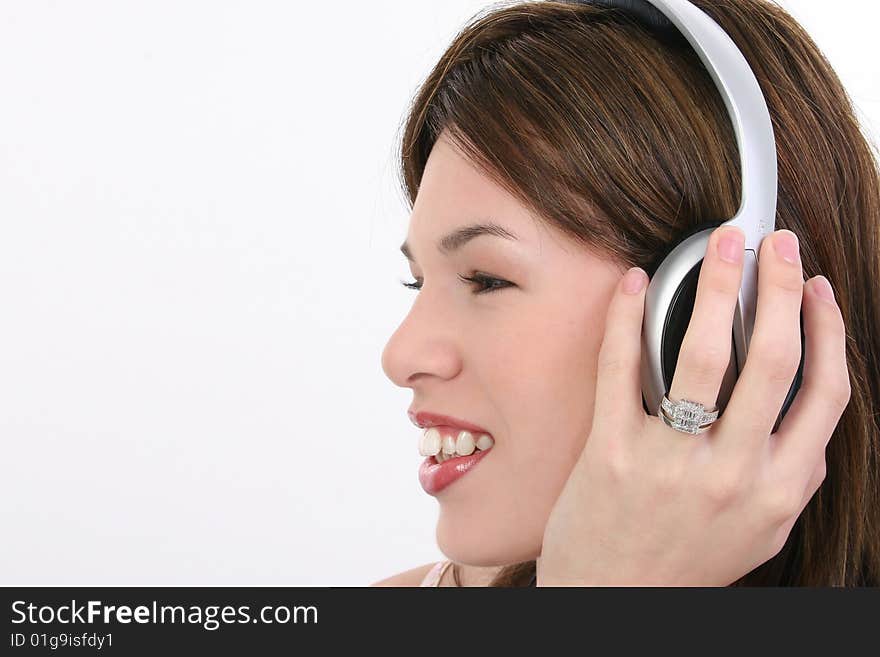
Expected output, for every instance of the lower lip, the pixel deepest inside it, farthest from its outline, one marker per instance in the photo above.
(434, 476)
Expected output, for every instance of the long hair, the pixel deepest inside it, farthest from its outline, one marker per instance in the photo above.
(617, 136)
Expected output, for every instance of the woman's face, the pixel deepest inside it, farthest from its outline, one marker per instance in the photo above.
(518, 361)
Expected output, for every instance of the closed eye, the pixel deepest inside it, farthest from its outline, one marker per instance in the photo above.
(485, 284)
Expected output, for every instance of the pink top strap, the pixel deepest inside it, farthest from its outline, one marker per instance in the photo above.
(436, 573)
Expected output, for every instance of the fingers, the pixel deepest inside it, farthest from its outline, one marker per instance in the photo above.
(824, 394)
(618, 386)
(775, 348)
(705, 349)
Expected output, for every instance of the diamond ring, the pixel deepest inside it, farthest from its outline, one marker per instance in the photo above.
(686, 416)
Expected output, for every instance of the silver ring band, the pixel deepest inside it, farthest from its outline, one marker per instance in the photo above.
(686, 416)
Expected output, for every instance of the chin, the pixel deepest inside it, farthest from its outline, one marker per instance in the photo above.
(473, 541)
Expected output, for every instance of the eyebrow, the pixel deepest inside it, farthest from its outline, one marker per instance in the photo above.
(461, 236)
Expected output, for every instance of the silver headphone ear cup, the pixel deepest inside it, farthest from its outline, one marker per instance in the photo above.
(657, 298)
(677, 320)
(669, 305)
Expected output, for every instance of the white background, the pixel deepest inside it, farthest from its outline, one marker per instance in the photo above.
(199, 268)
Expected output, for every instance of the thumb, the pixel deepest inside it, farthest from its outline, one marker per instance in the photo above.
(618, 378)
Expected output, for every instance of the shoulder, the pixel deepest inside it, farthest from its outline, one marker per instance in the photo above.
(411, 577)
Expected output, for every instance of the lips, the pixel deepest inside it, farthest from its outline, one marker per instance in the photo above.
(425, 419)
(434, 477)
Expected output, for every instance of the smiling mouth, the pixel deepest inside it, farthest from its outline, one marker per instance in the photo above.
(444, 443)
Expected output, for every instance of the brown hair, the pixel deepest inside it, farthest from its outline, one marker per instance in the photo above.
(617, 135)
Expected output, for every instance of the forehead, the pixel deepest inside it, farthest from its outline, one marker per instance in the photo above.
(454, 192)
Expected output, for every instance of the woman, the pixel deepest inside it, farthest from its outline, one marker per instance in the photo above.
(585, 144)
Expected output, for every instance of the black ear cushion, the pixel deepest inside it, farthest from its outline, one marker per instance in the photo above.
(798, 379)
(677, 321)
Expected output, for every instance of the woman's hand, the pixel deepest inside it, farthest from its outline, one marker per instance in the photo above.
(646, 505)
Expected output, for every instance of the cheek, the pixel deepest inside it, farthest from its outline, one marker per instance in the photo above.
(543, 380)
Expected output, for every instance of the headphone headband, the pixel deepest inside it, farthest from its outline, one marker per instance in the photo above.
(742, 96)
(670, 297)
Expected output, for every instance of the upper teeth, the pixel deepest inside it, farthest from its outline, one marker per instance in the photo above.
(443, 447)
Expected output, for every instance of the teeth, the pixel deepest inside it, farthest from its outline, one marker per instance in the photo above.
(429, 445)
(465, 444)
(443, 448)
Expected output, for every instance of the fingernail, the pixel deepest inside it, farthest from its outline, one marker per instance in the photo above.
(634, 280)
(786, 245)
(823, 288)
(731, 245)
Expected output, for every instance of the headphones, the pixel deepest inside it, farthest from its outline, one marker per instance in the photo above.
(672, 289)
(671, 292)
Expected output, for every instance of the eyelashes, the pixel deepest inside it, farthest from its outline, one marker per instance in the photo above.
(486, 284)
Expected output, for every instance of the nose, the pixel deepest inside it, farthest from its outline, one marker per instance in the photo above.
(423, 346)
